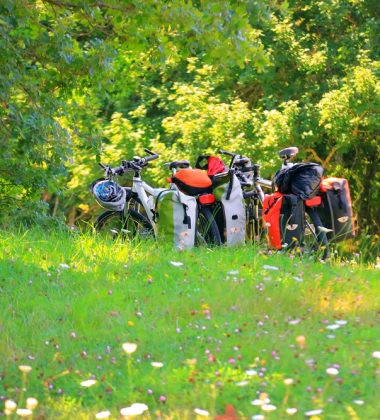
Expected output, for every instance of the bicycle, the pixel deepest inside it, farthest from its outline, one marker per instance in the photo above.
(207, 231)
(135, 215)
(314, 233)
(252, 184)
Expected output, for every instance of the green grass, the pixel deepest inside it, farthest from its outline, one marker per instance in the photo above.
(209, 321)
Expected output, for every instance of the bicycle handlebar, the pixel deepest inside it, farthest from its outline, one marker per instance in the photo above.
(152, 155)
(135, 164)
(224, 152)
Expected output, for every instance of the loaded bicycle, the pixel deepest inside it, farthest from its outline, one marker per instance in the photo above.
(228, 203)
(312, 233)
(131, 211)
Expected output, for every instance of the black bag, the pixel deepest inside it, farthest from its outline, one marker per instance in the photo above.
(336, 210)
(301, 179)
(284, 219)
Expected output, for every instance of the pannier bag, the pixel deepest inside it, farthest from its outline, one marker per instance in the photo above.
(231, 220)
(336, 210)
(192, 181)
(175, 217)
(301, 179)
(284, 219)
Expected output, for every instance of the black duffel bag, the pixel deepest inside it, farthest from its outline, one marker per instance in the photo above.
(301, 179)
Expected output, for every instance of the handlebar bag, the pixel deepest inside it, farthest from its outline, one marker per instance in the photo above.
(284, 220)
(214, 164)
(231, 218)
(192, 181)
(336, 210)
(175, 218)
(301, 179)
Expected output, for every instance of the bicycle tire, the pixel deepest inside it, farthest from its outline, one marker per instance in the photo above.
(129, 225)
(319, 236)
(255, 231)
(207, 231)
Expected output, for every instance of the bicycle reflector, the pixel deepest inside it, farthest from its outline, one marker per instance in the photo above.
(206, 199)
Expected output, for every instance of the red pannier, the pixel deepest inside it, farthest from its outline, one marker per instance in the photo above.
(192, 181)
(283, 218)
(336, 210)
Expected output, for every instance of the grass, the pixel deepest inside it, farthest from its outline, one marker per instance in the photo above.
(228, 327)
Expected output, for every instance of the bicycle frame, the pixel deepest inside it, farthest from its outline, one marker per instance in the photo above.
(142, 189)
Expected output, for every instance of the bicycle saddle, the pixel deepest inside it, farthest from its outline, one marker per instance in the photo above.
(288, 153)
(178, 164)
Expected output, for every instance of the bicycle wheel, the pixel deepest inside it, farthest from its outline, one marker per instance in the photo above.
(254, 224)
(129, 225)
(207, 231)
(315, 236)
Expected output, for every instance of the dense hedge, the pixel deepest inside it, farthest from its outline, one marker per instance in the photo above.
(90, 80)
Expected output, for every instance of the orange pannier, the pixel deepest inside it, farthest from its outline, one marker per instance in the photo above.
(271, 218)
(192, 181)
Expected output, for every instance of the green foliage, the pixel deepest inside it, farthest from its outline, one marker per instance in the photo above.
(87, 81)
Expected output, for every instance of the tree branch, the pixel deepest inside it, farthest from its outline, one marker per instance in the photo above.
(100, 4)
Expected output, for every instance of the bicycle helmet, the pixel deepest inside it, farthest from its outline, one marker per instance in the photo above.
(109, 194)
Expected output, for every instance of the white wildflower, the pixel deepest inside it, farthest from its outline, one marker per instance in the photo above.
(88, 383)
(103, 414)
(25, 368)
(31, 403)
(268, 407)
(288, 381)
(10, 405)
(270, 267)
(312, 413)
(291, 411)
(157, 364)
(257, 402)
(201, 412)
(129, 348)
(242, 383)
(140, 406)
(176, 263)
(133, 410)
(64, 266)
(24, 412)
(332, 371)
(333, 327)
(233, 272)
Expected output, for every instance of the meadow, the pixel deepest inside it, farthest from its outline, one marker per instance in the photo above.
(269, 336)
